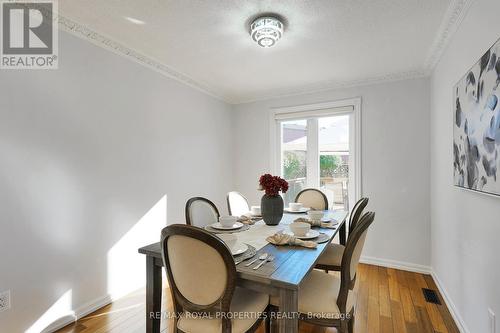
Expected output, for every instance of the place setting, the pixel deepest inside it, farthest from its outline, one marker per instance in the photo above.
(227, 224)
(317, 218)
(239, 250)
(296, 208)
(299, 234)
(252, 216)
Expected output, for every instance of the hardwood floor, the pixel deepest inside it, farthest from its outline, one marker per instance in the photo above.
(389, 301)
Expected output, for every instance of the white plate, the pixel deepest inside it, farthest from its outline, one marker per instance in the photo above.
(238, 248)
(310, 235)
(299, 211)
(232, 243)
(219, 226)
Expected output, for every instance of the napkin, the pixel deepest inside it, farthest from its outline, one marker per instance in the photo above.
(245, 219)
(317, 223)
(284, 239)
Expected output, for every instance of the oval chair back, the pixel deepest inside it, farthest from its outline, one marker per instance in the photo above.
(312, 198)
(188, 253)
(201, 212)
(237, 204)
(350, 261)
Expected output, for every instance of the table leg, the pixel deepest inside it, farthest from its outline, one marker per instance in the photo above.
(289, 307)
(153, 296)
(343, 234)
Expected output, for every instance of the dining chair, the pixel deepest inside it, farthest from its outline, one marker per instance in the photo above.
(330, 299)
(237, 204)
(312, 198)
(201, 212)
(331, 258)
(212, 303)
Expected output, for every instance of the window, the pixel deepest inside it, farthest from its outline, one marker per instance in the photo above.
(318, 146)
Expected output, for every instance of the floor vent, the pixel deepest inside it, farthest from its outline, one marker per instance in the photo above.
(431, 296)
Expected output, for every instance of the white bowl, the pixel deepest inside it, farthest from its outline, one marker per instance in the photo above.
(295, 206)
(316, 215)
(228, 221)
(300, 228)
(255, 210)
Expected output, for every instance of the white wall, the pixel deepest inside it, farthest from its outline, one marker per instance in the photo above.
(395, 161)
(87, 154)
(465, 225)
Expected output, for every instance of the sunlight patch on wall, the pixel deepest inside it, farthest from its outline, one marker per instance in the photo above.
(126, 267)
(56, 314)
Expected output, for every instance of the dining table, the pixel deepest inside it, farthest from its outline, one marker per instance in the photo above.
(281, 277)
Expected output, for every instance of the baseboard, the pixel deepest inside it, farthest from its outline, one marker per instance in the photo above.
(79, 313)
(405, 266)
(451, 306)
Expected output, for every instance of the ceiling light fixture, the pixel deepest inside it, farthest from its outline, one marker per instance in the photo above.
(266, 30)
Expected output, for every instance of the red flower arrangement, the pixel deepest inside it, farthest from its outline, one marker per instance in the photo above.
(272, 184)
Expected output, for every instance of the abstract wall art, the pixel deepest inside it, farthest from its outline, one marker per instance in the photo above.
(476, 128)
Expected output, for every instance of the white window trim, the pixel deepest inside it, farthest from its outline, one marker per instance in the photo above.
(318, 110)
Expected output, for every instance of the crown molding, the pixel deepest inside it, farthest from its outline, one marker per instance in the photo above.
(334, 85)
(452, 19)
(109, 44)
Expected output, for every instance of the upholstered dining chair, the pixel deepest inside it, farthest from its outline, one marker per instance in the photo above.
(237, 204)
(201, 212)
(212, 304)
(331, 258)
(312, 198)
(330, 299)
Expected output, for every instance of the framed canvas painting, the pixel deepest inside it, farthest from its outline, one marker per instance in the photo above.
(476, 127)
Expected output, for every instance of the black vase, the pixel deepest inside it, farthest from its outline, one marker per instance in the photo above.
(271, 209)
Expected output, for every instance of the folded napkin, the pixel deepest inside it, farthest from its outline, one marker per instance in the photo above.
(245, 219)
(284, 239)
(317, 223)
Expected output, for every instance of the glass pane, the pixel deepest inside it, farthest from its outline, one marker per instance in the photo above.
(334, 159)
(294, 156)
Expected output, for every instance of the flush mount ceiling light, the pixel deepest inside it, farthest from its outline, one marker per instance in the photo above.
(266, 30)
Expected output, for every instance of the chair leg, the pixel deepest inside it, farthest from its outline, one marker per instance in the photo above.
(350, 325)
(273, 323)
(267, 324)
(343, 327)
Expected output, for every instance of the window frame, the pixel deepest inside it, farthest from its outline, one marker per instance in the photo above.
(351, 107)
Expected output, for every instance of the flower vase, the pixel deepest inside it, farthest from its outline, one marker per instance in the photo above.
(271, 209)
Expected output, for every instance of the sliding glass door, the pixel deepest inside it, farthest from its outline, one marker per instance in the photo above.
(318, 149)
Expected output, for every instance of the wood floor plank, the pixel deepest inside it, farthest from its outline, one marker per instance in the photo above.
(423, 322)
(398, 319)
(386, 325)
(416, 292)
(435, 318)
(406, 301)
(393, 285)
(373, 300)
(383, 290)
(361, 315)
(388, 302)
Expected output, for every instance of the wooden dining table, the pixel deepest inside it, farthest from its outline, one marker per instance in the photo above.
(280, 277)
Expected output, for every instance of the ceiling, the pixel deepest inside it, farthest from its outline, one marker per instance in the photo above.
(326, 44)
